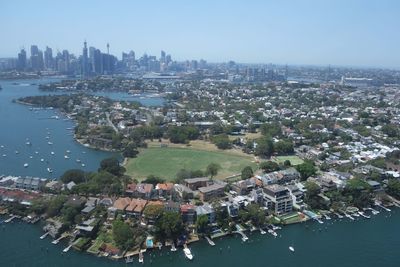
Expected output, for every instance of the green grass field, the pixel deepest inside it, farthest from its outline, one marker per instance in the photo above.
(166, 162)
(294, 160)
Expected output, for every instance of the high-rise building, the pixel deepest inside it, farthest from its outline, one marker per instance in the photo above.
(48, 58)
(21, 63)
(37, 62)
(162, 58)
(85, 60)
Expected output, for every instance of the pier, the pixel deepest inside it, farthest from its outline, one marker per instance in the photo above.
(44, 236)
(244, 237)
(381, 206)
(210, 241)
(10, 219)
(55, 242)
(65, 250)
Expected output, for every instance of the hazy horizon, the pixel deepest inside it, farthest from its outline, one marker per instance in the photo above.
(341, 33)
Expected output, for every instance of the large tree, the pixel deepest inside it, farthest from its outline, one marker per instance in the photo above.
(169, 225)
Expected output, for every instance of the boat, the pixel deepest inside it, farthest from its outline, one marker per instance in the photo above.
(68, 151)
(327, 216)
(364, 215)
(36, 152)
(44, 236)
(159, 245)
(42, 160)
(129, 259)
(4, 155)
(31, 157)
(26, 165)
(66, 157)
(188, 253)
(349, 216)
(141, 258)
(65, 250)
(83, 165)
(49, 170)
(49, 143)
(52, 153)
(16, 152)
(173, 248)
(28, 143)
(272, 232)
(262, 231)
(78, 160)
(291, 249)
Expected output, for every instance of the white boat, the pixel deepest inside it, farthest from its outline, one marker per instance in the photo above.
(31, 157)
(16, 152)
(327, 217)
(42, 160)
(52, 153)
(78, 160)
(141, 258)
(26, 165)
(4, 155)
(49, 170)
(262, 231)
(49, 143)
(272, 232)
(68, 151)
(36, 152)
(364, 215)
(188, 253)
(83, 165)
(349, 216)
(173, 248)
(66, 157)
(210, 241)
(291, 249)
(28, 143)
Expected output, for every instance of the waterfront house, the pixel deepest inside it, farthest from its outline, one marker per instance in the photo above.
(188, 213)
(165, 189)
(136, 207)
(208, 210)
(144, 191)
(30, 183)
(121, 203)
(277, 199)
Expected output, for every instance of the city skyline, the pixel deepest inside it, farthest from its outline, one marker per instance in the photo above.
(343, 33)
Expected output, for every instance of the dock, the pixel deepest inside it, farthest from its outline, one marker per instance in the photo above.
(381, 206)
(364, 215)
(55, 242)
(10, 219)
(210, 241)
(349, 216)
(65, 250)
(244, 237)
(44, 236)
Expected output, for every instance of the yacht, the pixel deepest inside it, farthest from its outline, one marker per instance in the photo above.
(52, 153)
(66, 157)
(83, 165)
(49, 170)
(16, 152)
(291, 249)
(42, 160)
(4, 155)
(78, 160)
(68, 151)
(262, 231)
(141, 259)
(188, 253)
(26, 165)
(28, 143)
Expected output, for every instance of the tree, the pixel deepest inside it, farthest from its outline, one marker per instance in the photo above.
(393, 188)
(55, 204)
(269, 166)
(256, 214)
(154, 180)
(284, 147)
(287, 163)
(265, 147)
(169, 225)
(112, 166)
(122, 234)
(202, 224)
(212, 169)
(271, 129)
(153, 211)
(247, 173)
(306, 169)
(130, 151)
(74, 175)
(222, 141)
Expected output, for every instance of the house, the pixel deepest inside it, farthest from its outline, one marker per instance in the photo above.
(130, 189)
(183, 191)
(211, 192)
(188, 213)
(233, 209)
(376, 186)
(278, 199)
(30, 183)
(144, 191)
(121, 203)
(165, 189)
(296, 193)
(195, 183)
(243, 187)
(139, 204)
(171, 206)
(208, 210)
(54, 185)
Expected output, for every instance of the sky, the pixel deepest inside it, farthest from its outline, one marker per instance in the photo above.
(297, 32)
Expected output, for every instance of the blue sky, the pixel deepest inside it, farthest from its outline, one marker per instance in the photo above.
(337, 32)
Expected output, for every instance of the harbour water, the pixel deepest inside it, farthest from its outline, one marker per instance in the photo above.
(344, 243)
(19, 124)
(364, 242)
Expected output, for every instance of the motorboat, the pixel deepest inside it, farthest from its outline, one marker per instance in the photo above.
(188, 253)
(291, 249)
(26, 165)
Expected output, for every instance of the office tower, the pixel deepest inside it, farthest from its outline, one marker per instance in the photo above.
(48, 58)
(36, 58)
(84, 60)
(21, 63)
(66, 61)
(162, 58)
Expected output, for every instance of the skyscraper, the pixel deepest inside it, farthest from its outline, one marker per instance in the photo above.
(85, 60)
(21, 63)
(48, 58)
(36, 58)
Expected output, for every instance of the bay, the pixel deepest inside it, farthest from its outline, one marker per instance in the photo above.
(344, 243)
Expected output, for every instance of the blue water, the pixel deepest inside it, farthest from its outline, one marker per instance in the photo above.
(19, 124)
(360, 243)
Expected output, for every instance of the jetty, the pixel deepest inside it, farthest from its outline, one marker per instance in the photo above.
(381, 206)
(44, 236)
(10, 219)
(338, 215)
(364, 215)
(65, 250)
(244, 237)
(55, 242)
(349, 216)
(210, 241)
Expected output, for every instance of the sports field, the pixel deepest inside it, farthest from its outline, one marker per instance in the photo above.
(165, 162)
(294, 160)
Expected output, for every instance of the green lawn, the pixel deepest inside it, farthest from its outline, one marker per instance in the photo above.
(166, 162)
(294, 160)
